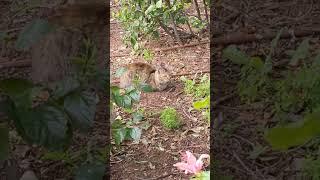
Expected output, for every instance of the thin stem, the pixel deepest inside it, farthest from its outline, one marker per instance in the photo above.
(206, 10)
(195, 2)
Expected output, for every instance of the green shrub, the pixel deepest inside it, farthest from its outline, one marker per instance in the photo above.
(169, 118)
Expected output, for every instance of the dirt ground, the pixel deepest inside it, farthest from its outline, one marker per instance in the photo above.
(155, 157)
(240, 127)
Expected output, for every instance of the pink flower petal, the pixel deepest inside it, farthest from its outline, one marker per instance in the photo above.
(191, 159)
(190, 164)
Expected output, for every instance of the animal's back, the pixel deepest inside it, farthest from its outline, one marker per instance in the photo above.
(142, 70)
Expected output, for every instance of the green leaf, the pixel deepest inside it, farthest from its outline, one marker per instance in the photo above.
(135, 133)
(235, 55)
(117, 124)
(294, 134)
(127, 101)
(81, 108)
(146, 87)
(257, 63)
(18, 90)
(65, 86)
(204, 175)
(32, 33)
(4, 141)
(150, 8)
(119, 135)
(120, 71)
(301, 52)
(137, 116)
(92, 171)
(205, 103)
(135, 95)
(44, 125)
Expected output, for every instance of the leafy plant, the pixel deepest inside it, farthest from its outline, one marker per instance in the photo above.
(142, 19)
(198, 90)
(147, 55)
(203, 88)
(297, 92)
(201, 93)
(127, 130)
(188, 85)
(204, 106)
(255, 82)
(50, 123)
(169, 118)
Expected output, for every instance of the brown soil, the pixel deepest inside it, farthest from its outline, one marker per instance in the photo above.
(241, 126)
(159, 148)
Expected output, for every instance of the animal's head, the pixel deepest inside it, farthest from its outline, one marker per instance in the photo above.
(162, 76)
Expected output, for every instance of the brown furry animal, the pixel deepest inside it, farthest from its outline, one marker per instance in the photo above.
(157, 77)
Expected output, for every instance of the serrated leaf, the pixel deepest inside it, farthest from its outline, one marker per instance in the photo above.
(300, 53)
(4, 141)
(135, 95)
(19, 90)
(294, 134)
(127, 101)
(137, 116)
(81, 108)
(93, 171)
(236, 56)
(44, 125)
(32, 33)
(135, 133)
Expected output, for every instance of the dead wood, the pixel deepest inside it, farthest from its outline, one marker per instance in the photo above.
(241, 37)
(183, 46)
(20, 63)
